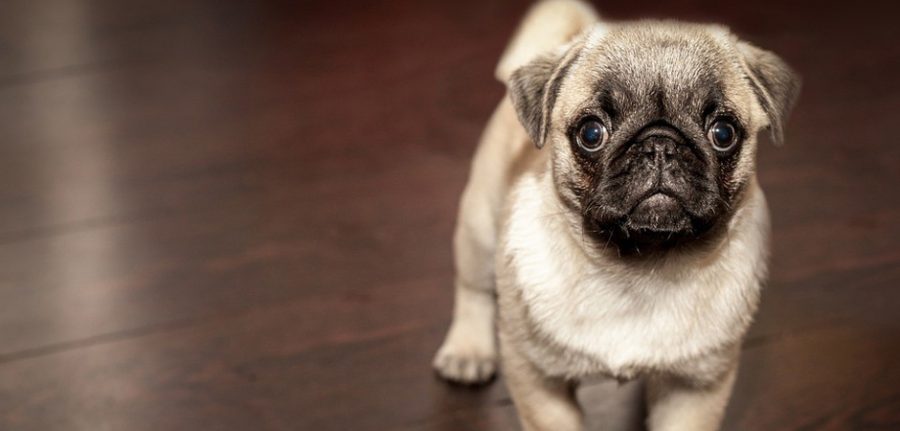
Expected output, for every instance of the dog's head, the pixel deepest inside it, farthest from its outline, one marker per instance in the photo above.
(653, 127)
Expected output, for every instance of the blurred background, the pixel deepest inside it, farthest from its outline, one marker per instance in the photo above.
(237, 215)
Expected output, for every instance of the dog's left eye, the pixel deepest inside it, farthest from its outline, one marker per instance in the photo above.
(592, 134)
(722, 135)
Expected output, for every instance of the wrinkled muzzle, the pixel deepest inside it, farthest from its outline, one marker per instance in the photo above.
(658, 190)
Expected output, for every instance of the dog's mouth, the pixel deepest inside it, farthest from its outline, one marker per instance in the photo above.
(657, 202)
(657, 221)
(658, 212)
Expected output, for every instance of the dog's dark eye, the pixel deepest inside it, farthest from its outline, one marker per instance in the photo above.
(722, 135)
(592, 134)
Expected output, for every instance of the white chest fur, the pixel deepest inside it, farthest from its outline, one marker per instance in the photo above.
(627, 316)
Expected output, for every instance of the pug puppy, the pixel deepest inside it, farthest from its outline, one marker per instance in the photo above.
(634, 243)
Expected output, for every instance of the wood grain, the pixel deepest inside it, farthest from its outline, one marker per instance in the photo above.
(238, 216)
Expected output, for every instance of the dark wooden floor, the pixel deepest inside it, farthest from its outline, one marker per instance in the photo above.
(238, 216)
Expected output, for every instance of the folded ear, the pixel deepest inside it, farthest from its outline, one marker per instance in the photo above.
(533, 89)
(775, 84)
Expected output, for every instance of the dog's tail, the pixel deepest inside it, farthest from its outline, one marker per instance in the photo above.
(547, 25)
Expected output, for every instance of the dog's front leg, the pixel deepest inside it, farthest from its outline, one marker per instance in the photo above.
(678, 404)
(469, 352)
(543, 403)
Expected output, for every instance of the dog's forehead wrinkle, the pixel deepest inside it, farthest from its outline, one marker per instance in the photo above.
(631, 62)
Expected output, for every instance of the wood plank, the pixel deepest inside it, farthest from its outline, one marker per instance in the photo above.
(239, 216)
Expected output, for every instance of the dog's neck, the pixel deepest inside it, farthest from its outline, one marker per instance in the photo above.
(588, 300)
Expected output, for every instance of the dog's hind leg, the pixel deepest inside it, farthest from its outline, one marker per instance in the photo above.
(469, 352)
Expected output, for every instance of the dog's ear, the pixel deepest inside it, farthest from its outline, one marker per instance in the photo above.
(533, 89)
(775, 84)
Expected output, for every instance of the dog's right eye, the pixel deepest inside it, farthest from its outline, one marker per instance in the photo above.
(592, 134)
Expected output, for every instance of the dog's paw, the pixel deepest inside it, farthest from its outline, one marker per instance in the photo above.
(465, 365)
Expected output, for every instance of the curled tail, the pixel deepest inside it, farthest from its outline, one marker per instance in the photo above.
(547, 25)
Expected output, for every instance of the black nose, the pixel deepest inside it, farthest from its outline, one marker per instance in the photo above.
(659, 152)
(658, 142)
(659, 146)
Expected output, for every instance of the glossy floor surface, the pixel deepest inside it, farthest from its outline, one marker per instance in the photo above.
(238, 216)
